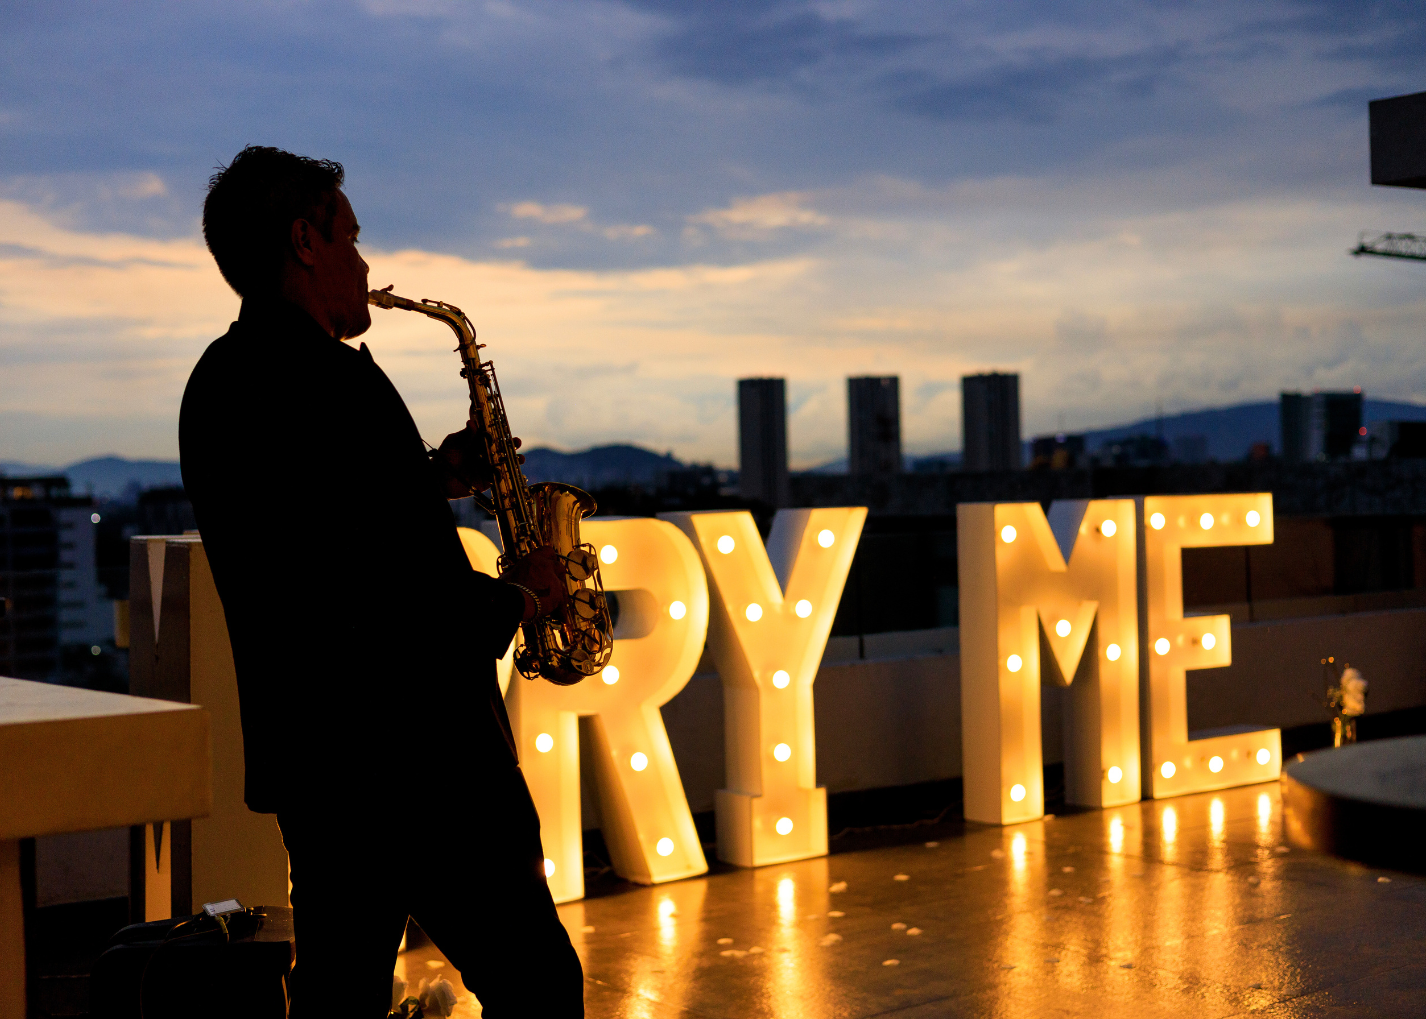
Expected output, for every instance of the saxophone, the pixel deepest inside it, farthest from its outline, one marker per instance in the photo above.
(577, 642)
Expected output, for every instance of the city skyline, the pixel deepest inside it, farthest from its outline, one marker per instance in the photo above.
(640, 203)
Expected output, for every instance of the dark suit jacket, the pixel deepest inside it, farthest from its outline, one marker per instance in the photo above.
(364, 642)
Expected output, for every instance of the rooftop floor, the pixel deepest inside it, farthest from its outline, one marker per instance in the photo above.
(1175, 908)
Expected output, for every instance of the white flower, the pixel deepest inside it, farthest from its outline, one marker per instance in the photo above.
(438, 998)
(398, 991)
(1354, 693)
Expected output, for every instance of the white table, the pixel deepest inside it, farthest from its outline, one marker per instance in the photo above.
(78, 760)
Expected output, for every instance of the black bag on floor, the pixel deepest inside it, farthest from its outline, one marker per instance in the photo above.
(235, 964)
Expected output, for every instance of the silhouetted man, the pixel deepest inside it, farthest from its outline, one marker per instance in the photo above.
(364, 642)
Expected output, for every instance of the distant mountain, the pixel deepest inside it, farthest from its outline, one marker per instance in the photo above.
(600, 466)
(107, 477)
(1230, 431)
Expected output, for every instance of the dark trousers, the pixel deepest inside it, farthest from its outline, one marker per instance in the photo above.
(468, 868)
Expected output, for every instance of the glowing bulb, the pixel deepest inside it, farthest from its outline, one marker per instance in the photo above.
(677, 610)
(782, 751)
(780, 679)
(804, 609)
(1253, 518)
(544, 742)
(1206, 521)
(549, 867)
(1013, 663)
(1017, 792)
(1063, 627)
(94, 518)
(1162, 645)
(1157, 521)
(1007, 534)
(754, 612)
(1208, 641)
(784, 825)
(664, 847)
(608, 554)
(639, 762)
(1108, 528)
(610, 675)
(1264, 756)
(1115, 774)
(1112, 652)
(725, 544)
(825, 538)
(1215, 764)
(1167, 770)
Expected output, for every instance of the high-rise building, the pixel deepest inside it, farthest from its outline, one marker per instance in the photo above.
(1294, 420)
(874, 425)
(1320, 426)
(990, 422)
(762, 440)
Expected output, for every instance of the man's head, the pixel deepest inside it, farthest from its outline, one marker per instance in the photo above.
(278, 225)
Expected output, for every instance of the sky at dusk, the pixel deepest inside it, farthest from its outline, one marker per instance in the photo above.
(1130, 204)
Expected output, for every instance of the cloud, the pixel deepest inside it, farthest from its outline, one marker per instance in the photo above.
(513, 242)
(547, 213)
(751, 218)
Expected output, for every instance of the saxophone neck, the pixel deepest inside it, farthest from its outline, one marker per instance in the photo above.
(447, 313)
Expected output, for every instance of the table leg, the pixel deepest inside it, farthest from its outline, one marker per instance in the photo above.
(12, 931)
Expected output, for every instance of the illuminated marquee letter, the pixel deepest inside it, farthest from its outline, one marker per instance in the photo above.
(658, 639)
(1017, 589)
(484, 557)
(774, 610)
(1173, 763)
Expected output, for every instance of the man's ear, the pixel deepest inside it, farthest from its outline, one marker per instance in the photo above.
(301, 239)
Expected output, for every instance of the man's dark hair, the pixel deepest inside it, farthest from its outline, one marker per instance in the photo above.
(250, 208)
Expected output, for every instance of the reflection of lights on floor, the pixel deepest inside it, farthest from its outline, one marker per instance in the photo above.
(1170, 825)
(1116, 835)
(787, 899)
(1265, 812)
(1215, 818)
(1017, 850)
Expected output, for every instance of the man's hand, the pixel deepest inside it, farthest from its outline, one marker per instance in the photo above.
(543, 572)
(462, 464)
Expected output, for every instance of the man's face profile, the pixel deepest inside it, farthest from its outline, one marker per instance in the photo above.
(339, 273)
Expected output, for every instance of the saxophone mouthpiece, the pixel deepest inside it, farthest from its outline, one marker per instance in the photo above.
(383, 298)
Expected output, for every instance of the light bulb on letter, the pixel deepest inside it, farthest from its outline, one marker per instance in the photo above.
(825, 538)
(1013, 663)
(782, 751)
(780, 679)
(1108, 528)
(804, 609)
(1161, 646)
(1063, 627)
(1017, 792)
(725, 544)
(544, 742)
(784, 825)
(1208, 641)
(1215, 764)
(1264, 756)
(1112, 652)
(610, 675)
(1157, 521)
(549, 867)
(1115, 774)
(664, 847)
(1167, 770)
(754, 612)
(1007, 534)
(1253, 518)
(677, 610)
(1206, 521)
(639, 761)
(608, 553)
